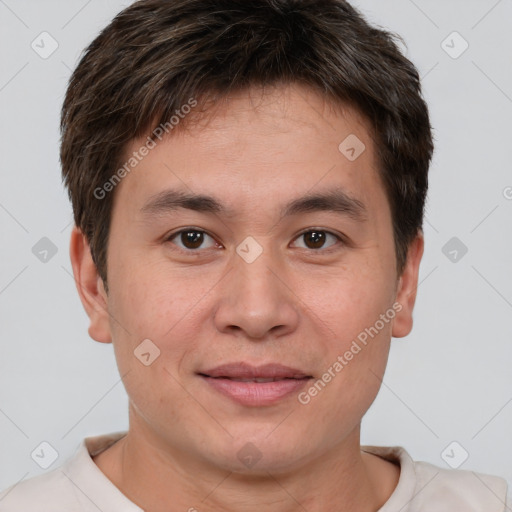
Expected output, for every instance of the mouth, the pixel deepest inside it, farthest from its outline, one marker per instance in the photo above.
(244, 371)
(255, 385)
(256, 379)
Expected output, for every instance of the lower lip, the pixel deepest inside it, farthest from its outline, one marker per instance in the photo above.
(256, 393)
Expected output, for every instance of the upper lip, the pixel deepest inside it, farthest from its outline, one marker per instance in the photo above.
(243, 370)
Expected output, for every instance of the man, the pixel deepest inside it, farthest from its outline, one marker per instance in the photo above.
(248, 182)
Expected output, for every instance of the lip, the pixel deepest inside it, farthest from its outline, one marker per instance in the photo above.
(236, 381)
(243, 370)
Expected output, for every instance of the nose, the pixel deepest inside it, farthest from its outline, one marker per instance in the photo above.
(256, 302)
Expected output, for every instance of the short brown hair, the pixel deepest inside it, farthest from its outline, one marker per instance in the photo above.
(157, 54)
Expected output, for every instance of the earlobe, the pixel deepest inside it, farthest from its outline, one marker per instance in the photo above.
(407, 287)
(90, 287)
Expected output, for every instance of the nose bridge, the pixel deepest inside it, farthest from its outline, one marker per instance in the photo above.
(257, 277)
(255, 299)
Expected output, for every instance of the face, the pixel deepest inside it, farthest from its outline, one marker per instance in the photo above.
(253, 241)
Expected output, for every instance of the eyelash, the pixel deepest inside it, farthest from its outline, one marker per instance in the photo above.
(329, 249)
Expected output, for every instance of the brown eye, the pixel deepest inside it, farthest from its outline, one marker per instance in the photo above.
(192, 239)
(317, 239)
(314, 239)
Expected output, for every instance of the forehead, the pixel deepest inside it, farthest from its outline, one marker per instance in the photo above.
(260, 146)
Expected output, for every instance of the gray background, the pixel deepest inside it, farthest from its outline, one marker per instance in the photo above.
(450, 380)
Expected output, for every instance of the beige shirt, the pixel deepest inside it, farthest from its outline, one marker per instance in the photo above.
(80, 486)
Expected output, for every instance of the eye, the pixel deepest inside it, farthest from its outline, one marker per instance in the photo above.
(191, 239)
(318, 239)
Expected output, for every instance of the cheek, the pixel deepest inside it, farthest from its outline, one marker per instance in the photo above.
(356, 354)
(148, 305)
(345, 303)
(166, 305)
(353, 312)
(153, 298)
(358, 343)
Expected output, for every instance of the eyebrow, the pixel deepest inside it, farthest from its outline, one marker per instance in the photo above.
(335, 200)
(170, 200)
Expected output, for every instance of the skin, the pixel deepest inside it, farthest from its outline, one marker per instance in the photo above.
(294, 305)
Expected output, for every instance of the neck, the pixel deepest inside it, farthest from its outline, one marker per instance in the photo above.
(160, 478)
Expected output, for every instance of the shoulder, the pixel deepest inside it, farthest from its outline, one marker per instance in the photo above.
(424, 487)
(76, 485)
(440, 489)
(51, 491)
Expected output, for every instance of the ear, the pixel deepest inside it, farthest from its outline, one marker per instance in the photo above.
(407, 286)
(90, 287)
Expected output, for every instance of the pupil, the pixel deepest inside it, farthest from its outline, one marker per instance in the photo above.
(192, 239)
(316, 239)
